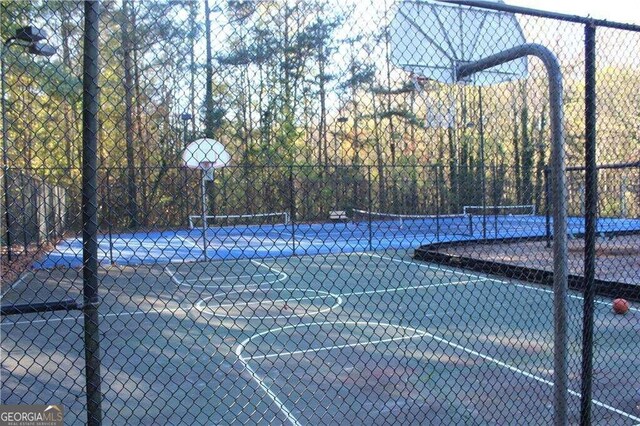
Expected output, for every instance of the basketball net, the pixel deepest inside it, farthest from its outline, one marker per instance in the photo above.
(208, 170)
(440, 107)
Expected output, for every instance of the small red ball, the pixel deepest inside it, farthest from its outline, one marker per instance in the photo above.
(620, 306)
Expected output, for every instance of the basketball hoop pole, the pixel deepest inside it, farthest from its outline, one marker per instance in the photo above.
(208, 174)
(560, 279)
(203, 189)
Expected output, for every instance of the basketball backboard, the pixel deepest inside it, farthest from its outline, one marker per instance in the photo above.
(205, 154)
(431, 39)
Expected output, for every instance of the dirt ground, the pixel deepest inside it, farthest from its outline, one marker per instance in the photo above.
(617, 259)
(21, 260)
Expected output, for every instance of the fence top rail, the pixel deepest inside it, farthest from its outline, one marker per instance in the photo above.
(545, 14)
(607, 166)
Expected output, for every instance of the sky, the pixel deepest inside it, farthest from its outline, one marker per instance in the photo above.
(627, 11)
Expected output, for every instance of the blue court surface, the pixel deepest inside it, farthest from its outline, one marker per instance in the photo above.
(262, 241)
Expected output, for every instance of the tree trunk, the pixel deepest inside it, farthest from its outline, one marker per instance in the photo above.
(208, 101)
(516, 157)
(322, 125)
(193, 32)
(453, 173)
(382, 193)
(528, 152)
(140, 127)
(132, 206)
(392, 130)
(541, 163)
(67, 105)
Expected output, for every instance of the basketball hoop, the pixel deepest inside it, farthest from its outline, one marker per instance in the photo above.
(426, 46)
(419, 82)
(440, 110)
(208, 168)
(206, 155)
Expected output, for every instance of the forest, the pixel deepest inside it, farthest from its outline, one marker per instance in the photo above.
(307, 101)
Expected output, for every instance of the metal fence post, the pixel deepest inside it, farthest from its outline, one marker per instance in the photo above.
(494, 199)
(292, 209)
(109, 218)
(438, 204)
(590, 219)
(32, 197)
(5, 155)
(547, 206)
(369, 209)
(482, 168)
(90, 212)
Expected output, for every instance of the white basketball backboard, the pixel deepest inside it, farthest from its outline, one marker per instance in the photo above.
(430, 39)
(205, 154)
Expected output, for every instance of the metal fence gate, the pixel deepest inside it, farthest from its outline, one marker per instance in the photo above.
(370, 244)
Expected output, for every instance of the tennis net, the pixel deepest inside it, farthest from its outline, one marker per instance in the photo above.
(507, 217)
(455, 224)
(211, 221)
(501, 210)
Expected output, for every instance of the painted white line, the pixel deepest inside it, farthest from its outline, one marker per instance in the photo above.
(525, 374)
(274, 301)
(330, 348)
(391, 290)
(263, 265)
(454, 345)
(243, 344)
(226, 277)
(282, 276)
(424, 266)
(172, 275)
(288, 234)
(201, 305)
(14, 285)
(494, 280)
(413, 287)
(245, 361)
(323, 256)
(193, 283)
(237, 285)
(571, 296)
(542, 289)
(288, 414)
(185, 241)
(233, 286)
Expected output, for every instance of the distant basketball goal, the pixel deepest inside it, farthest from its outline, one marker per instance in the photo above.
(206, 155)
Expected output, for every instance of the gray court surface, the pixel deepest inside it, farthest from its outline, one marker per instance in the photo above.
(359, 338)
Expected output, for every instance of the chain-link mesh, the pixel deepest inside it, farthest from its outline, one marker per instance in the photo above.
(377, 247)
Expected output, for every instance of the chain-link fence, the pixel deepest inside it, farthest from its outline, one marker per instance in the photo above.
(319, 212)
(37, 213)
